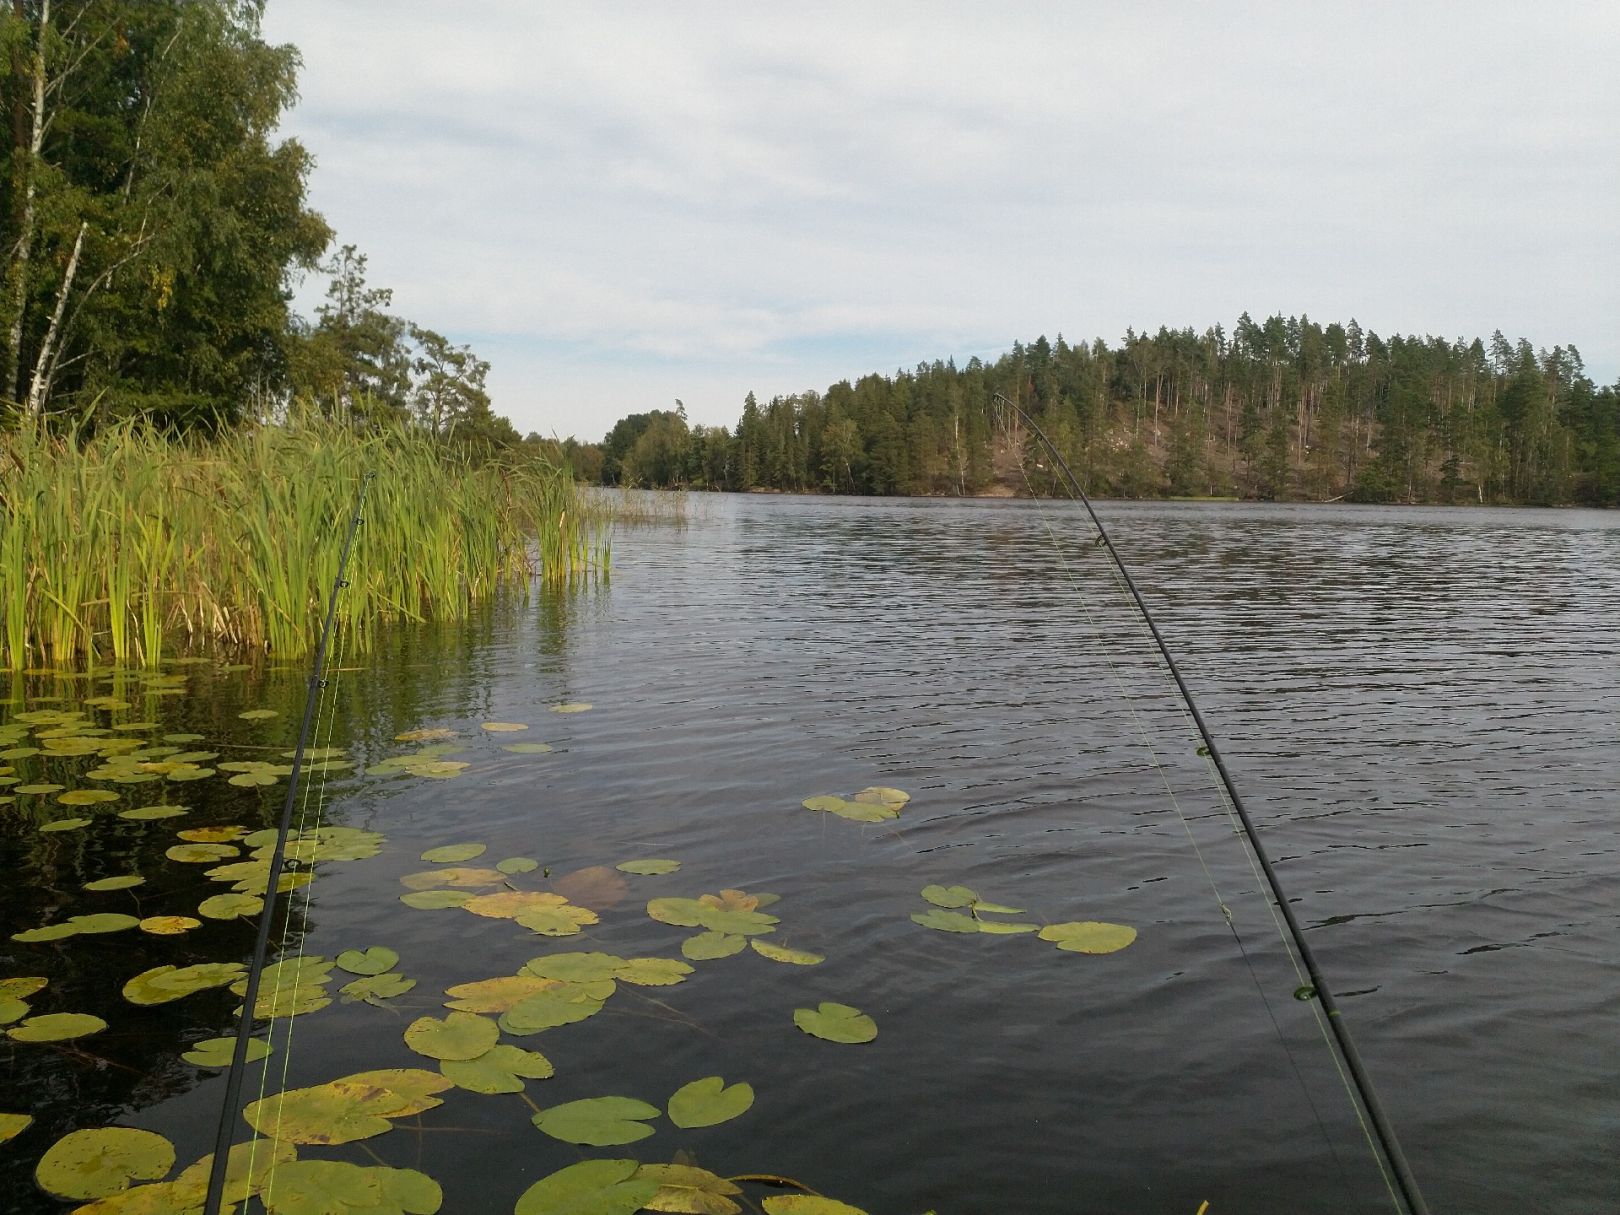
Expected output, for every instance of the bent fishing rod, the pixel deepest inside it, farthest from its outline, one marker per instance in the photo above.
(1382, 1127)
(219, 1166)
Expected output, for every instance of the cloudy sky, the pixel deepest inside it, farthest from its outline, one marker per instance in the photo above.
(619, 205)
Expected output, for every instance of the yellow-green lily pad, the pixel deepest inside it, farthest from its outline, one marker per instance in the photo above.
(571, 707)
(458, 1036)
(685, 1187)
(57, 1027)
(141, 814)
(836, 1023)
(22, 988)
(707, 946)
(122, 882)
(504, 727)
(64, 824)
(648, 868)
(374, 989)
(808, 1204)
(590, 1187)
(451, 853)
(218, 1052)
(598, 1121)
(1089, 936)
(709, 1102)
(779, 953)
(162, 984)
(501, 1069)
(12, 1125)
(230, 906)
(373, 960)
(86, 797)
(96, 1163)
(514, 865)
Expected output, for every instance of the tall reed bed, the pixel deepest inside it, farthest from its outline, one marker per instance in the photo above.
(129, 543)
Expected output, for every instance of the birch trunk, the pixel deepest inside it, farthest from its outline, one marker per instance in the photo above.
(22, 252)
(45, 366)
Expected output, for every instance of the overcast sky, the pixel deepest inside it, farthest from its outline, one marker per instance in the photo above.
(619, 205)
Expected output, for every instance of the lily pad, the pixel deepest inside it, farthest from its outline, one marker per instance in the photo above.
(808, 1204)
(218, 1052)
(142, 814)
(230, 906)
(21, 988)
(162, 984)
(343, 1111)
(598, 1121)
(458, 1036)
(64, 824)
(122, 882)
(950, 896)
(504, 727)
(1089, 936)
(96, 1163)
(564, 921)
(501, 1069)
(527, 748)
(465, 878)
(509, 904)
(373, 960)
(836, 1023)
(201, 854)
(12, 1010)
(653, 972)
(106, 921)
(687, 1188)
(707, 946)
(57, 1027)
(454, 852)
(514, 865)
(648, 868)
(571, 707)
(425, 734)
(495, 995)
(946, 921)
(591, 1187)
(709, 1102)
(258, 714)
(168, 925)
(373, 989)
(779, 953)
(38, 790)
(12, 1125)
(859, 812)
(564, 1004)
(575, 967)
(435, 900)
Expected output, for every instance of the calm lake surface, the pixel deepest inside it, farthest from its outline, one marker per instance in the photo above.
(1420, 706)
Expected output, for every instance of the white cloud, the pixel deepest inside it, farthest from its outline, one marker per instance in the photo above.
(631, 197)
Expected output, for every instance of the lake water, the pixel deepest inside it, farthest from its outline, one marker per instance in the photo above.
(1420, 707)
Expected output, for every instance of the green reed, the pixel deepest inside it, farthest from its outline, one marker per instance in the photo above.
(129, 543)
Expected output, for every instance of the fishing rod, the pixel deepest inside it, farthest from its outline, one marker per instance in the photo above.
(219, 1166)
(1382, 1127)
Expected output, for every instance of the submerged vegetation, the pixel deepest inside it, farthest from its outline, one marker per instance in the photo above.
(129, 545)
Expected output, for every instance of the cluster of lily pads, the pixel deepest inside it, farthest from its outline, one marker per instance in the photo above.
(875, 804)
(960, 909)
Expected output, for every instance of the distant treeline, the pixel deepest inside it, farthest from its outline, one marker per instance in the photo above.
(1280, 409)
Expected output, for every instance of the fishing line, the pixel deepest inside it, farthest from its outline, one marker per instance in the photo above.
(1363, 1084)
(219, 1166)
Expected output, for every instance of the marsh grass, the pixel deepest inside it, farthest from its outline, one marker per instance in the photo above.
(130, 544)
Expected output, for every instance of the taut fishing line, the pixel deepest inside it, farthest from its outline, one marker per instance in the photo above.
(317, 705)
(1358, 1084)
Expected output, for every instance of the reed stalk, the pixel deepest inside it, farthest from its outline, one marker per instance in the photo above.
(129, 544)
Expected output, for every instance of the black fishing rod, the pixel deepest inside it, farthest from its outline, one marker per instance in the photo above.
(1341, 1034)
(219, 1166)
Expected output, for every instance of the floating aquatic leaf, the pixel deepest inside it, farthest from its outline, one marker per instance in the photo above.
(575, 707)
(426, 734)
(495, 995)
(65, 824)
(527, 748)
(459, 1035)
(808, 1204)
(648, 868)
(373, 989)
(248, 1168)
(182, 738)
(454, 852)
(780, 953)
(38, 789)
(396, 1092)
(291, 1001)
(683, 913)
(12, 1125)
(509, 904)
(1089, 936)
(86, 797)
(653, 972)
(316, 1187)
(95, 1163)
(162, 984)
(859, 812)
(146, 813)
(230, 906)
(218, 1052)
(168, 925)
(709, 1102)
(746, 923)
(946, 921)
(21, 988)
(122, 882)
(212, 835)
(455, 876)
(1001, 928)
(434, 900)
(57, 1027)
(575, 967)
(201, 854)
(689, 1189)
(136, 725)
(597, 1121)
(836, 1023)
(501, 1069)
(106, 921)
(514, 865)
(12, 1010)
(373, 960)
(325, 1114)
(415, 765)
(504, 727)
(563, 921)
(258, 714)
(881, 795)
(707, 946)
(561, 1005)
(950, 896)
(591, 1187)
(298, 969)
